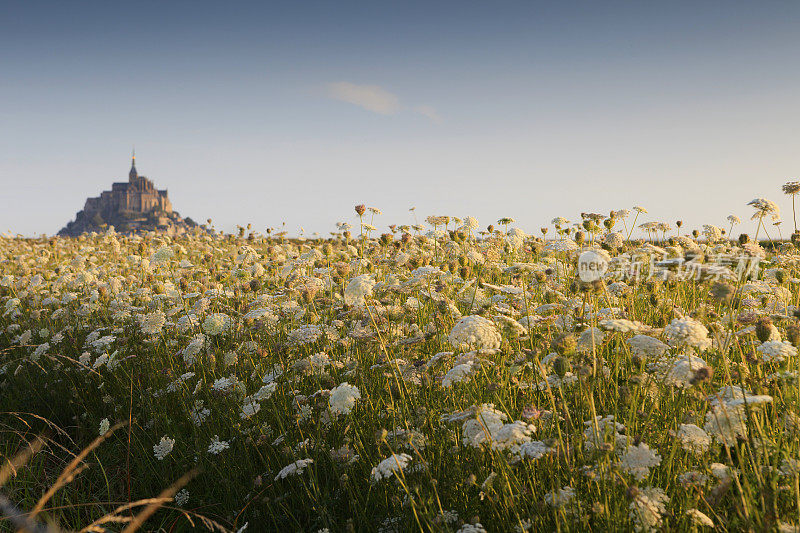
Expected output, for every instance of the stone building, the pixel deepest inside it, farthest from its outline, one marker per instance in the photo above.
(129, 206)
(137, 196)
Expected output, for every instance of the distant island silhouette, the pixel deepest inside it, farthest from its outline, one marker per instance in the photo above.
(132, 206)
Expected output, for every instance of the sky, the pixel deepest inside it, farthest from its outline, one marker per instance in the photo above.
(274, 113)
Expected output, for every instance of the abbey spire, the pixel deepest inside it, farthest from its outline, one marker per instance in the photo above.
(133, 174)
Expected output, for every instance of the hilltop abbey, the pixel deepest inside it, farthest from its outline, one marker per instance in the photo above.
(138, 195)
(135, 205)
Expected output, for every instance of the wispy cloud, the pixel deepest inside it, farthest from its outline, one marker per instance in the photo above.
(430, 112)
(376, 99)
(371, 97)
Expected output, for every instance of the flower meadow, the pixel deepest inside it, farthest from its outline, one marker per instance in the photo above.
(439, 377)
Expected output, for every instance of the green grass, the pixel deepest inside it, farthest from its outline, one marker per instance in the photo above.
(237, 486)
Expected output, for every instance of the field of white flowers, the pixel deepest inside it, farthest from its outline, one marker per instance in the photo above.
(440, 377)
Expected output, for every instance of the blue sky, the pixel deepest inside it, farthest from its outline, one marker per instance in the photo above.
(293, 112)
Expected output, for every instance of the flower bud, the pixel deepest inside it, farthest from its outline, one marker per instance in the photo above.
(763, 329)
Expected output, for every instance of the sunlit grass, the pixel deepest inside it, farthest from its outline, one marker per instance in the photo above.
(438, 379)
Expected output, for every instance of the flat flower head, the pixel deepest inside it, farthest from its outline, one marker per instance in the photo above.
(687, 332)
(777, 351)
(358, 289)
(216, 324)
(163, 448)
(293, 469)
(474, 331)
(638, 460)
(391, 466)
(343, 398)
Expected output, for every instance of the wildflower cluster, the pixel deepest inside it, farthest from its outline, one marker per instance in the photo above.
(436, 377)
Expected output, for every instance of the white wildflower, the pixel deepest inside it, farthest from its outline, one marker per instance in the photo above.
(647, 508)
(343, 398)
(217, 323)
(475, 332)
(687, 332)
(777, 351)
(693, 438)
(358, 289)
(391, 466)
(163, 448)
(217, 446)
(638, 460)
(182, 497)
(293, 469)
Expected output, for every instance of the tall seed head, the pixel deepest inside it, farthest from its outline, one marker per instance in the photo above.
(793, 333)
(561, 365)
(763, 329)
(721, 291)
(564, 344)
